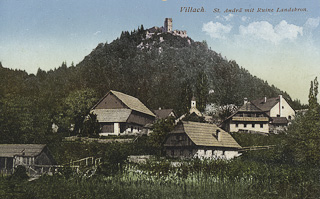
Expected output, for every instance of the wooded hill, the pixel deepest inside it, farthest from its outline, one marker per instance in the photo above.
(162, 71)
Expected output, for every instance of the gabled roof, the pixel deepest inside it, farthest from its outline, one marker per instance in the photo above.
(163, 113)
(112, 115)
(205, 134)
(11, 150)
(266, 105)
(249, 107)
(195, 111)
(131, 102)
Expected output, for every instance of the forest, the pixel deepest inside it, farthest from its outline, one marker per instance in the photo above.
(162, 71)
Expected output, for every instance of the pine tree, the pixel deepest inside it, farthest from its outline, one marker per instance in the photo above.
(202, 91)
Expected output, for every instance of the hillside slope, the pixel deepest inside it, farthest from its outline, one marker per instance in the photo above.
(166, 70)
(162, 71)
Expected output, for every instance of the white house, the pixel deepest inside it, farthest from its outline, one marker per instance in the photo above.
(262, 115)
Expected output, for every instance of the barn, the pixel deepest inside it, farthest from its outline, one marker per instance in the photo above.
(121, 114)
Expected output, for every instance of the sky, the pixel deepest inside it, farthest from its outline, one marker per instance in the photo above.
(282, 48)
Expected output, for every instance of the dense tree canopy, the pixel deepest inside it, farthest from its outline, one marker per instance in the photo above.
(162, 71)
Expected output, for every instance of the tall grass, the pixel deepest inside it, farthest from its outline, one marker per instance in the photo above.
(159, 179)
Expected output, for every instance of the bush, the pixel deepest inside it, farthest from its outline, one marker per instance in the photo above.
(20, 173)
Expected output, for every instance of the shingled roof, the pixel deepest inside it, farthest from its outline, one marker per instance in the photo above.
(11, 150)
(131, 102)
(204, 134)
(112, 115)
(266, 104)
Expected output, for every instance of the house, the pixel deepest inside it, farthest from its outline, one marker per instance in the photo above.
(164, 113)
(275, 107)
(32, 156)
(121, 114)
(263, 115)
(248, 117)
(160, 114)
(200, 140)
(278, 109)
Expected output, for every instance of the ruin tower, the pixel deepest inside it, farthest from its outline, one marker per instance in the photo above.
(168, 25)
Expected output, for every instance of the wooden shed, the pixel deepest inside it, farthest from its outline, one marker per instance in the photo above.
(32, 156)
(200, 140)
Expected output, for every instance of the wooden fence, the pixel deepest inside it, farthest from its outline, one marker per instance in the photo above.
(255, 148)
(37, 170)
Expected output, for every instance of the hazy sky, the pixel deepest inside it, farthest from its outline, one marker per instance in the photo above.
(280, 47)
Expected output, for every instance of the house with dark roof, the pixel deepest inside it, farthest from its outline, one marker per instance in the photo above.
(31, 156)
(121, 114)
(248, 117)
(164, 113)
(262, 115)
(200, 140)
(275, 107)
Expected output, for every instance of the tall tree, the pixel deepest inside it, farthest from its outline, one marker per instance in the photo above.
(202, 90)
(304, 133)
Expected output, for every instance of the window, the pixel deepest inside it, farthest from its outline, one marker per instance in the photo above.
(172, 152)
(237, 125)
(282, 107)
(261, 125)
(252, 125)
(245, 125)
(278, 115)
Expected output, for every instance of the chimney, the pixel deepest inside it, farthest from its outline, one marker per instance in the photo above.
(245, 100)
(280, 105)
(219, 135)
(265, 99)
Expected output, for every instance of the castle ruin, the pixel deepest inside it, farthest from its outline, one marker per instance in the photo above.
(168, 25)
(167, 28)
